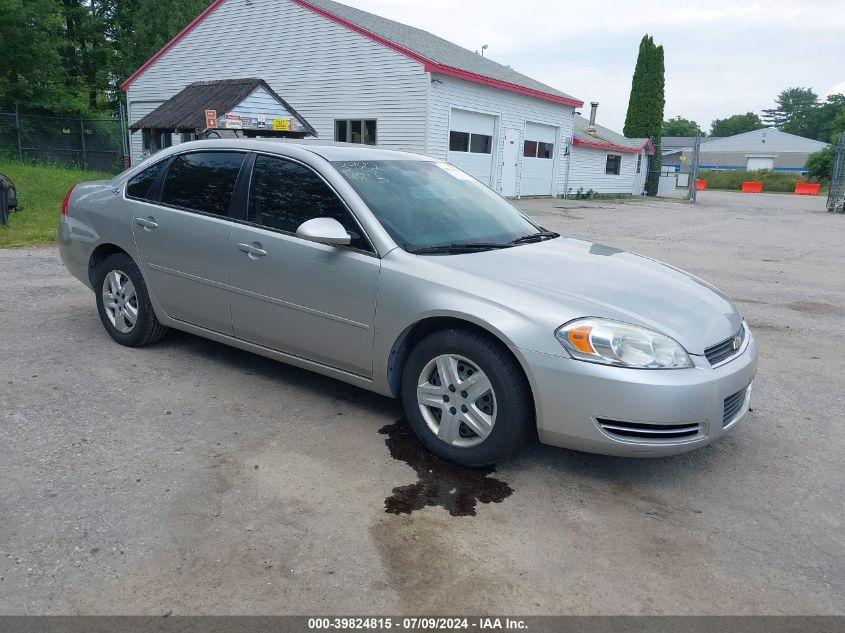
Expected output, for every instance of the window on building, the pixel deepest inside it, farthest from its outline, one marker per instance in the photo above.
(470, 142)
(458, 141)
(284, 194)
(639, 162)
(202, 181)
(146, 141)
(166, 139)
(613, 165)
(139, 185)
(538, 149)
(186, 137)
(361, 131)
(545, 150)
(480, 144)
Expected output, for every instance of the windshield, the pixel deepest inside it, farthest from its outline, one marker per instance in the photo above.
(425, 204)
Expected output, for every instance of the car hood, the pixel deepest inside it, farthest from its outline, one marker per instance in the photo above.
(603, 281)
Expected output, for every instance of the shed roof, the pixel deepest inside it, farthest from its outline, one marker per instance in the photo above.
(186, 109)
(605, 138)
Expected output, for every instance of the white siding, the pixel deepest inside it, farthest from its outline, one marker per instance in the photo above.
(511, 110)
(260, 102)
(588, 172)
(325, 71)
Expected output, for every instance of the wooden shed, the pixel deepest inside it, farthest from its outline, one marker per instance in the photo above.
(213, 109)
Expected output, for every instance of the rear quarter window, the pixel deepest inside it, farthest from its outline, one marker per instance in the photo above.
(140, 184)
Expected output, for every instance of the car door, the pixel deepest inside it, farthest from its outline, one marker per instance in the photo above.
(311, 300)
(182, 233)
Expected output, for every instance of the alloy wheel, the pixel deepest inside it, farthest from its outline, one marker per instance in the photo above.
(120, 301)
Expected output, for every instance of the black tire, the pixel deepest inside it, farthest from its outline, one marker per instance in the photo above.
(514, 404)
(147, 329)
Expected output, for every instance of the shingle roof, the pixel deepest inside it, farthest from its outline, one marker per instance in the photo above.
(605, 136)
(186, 110)
(432, 47)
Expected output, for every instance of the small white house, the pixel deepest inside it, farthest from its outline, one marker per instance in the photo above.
(358, 77)
(605, 162)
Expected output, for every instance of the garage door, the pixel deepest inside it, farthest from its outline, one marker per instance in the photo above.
(538, 160)
(760, 162)
(471, 137)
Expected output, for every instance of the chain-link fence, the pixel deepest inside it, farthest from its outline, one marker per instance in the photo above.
(836, 196)
(95, 144)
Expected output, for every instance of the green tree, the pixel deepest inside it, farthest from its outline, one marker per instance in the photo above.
(736, 124)
(646, 103)
(32, 74)
(87, 50)
(820, 164)
(792, 106)
(817, 123)
(678, 126)
(142, 27)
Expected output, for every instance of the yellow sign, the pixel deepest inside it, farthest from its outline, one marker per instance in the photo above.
(281, 125)
(682, 158)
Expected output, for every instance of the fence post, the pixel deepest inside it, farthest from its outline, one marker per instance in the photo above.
(82, 136)
(18, 128)
(124, 137)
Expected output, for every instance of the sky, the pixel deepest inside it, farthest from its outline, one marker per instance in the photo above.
(722, 58)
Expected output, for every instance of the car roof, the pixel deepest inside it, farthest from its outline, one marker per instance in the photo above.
(326, 149)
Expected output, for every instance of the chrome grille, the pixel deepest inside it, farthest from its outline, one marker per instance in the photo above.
(733, 404)
(650, 432)
(722, 351)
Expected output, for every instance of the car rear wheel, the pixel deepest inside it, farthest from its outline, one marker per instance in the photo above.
(124, 303)
(466, 398)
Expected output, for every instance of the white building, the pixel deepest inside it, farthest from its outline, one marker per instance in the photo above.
(358, 77)
(603, 161)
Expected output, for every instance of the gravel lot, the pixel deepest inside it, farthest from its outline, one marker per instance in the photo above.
(193, 477)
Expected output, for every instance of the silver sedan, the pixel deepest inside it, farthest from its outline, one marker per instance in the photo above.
(405, 276)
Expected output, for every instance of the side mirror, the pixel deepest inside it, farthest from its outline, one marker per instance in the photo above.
(324, 231)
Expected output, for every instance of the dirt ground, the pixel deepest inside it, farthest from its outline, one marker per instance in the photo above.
(194, 477)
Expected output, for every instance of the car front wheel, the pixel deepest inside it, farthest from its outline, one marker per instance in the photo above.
(124, 303)
(466, 398)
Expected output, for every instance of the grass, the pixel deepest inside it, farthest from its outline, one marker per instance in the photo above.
(773, 181)
(41, 190)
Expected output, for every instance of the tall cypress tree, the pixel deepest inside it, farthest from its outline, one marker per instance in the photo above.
(645, 106)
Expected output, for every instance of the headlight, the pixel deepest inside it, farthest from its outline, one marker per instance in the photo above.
(612, 343)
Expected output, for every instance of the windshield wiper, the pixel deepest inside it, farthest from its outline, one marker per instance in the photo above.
(536, 237)
(470, 247)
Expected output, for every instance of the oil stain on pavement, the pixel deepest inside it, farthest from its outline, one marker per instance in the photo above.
(441, 483)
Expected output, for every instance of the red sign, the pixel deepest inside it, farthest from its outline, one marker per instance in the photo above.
(211, 119)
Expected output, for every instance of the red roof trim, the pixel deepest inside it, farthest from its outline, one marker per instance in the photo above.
(428, 65)
(431, 66)
(182, 35)
(615, 148)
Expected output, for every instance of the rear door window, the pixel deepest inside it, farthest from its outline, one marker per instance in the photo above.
(202, 181)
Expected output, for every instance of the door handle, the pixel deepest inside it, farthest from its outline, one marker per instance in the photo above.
(148, 223)
(254, 250)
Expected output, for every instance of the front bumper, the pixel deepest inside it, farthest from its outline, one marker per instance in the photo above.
(581, 405)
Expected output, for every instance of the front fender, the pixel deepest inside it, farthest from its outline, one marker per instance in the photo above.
(407, 299)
